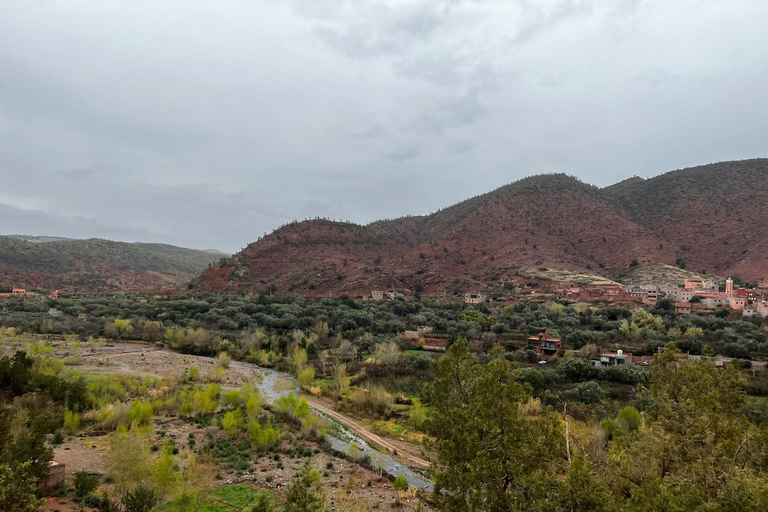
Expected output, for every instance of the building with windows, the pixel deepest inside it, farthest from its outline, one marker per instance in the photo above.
(545, 346)
(474, 298)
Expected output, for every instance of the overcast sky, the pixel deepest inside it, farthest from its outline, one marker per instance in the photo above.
(208, 123)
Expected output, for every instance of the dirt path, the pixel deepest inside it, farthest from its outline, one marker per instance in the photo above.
(366, 434)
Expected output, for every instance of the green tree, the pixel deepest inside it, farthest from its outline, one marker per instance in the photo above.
(489, 455)
(305, 494)
(18, 486)
(84, 483)
(698, 450)
(232, 422)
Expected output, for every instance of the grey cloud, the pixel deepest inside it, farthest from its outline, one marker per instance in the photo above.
(209, 124)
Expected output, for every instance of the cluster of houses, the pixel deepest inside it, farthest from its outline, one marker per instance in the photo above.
(380, 295)
(15, 292)
(694, 295)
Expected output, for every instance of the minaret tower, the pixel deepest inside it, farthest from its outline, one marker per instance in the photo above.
(729, 287)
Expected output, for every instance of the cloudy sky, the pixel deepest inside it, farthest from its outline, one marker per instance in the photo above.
(206, 124)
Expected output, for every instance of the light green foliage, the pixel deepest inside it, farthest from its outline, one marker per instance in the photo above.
(231, 398)
(298, 359)
(401, 484)
(123, 327)
(193, 373)
(354, 451)
(417, 415)
(213, 391)
(306, 376)
(286, 404)
(253, 405)
(262, 436)
(341, 380)
(18, 488)
(223, 360)
(164, 473)
(129, 459)
(141, 413)
(232, 422)
(292, 406)
(301, 411)
(202, 403)
(628, 419)
(40, 349)
(71, 421)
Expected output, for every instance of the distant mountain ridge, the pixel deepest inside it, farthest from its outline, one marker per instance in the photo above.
(95, 264)
(707, 219)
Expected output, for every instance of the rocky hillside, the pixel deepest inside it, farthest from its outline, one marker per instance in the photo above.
(96, 265)
(707, 219)
(713, 216)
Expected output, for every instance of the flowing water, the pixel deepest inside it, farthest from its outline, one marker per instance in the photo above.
(341, 438)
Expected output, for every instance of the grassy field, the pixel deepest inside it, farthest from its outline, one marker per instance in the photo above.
(225, 499)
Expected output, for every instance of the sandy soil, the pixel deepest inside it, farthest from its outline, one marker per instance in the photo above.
(344, 480)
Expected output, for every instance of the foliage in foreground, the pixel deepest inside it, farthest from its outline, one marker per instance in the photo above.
(696, 449)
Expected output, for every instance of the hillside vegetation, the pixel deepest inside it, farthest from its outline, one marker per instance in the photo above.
(704, 219)
(96, 264)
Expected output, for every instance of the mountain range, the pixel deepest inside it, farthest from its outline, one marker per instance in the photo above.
(710, 220)
(40, 262)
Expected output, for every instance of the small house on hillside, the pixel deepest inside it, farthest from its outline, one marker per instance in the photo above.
(545, 346)
(683, 308)
(474, 298)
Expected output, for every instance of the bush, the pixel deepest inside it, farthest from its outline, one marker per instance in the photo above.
(71, 421)
(92, 500)
(401, 483)
(375, 400)
(262, 436)
(306, 376)
(140, 499)
(232, 422)
(193, 373)
(223, 360)
(84, 483)
(628, 419)
(585, 392)
(141, 413)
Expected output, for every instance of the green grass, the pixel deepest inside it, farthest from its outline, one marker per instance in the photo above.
(231, 497)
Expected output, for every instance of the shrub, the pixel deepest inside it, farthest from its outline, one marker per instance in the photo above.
(418, 414)
(84, 483)
(628, 419)
(232, 398)
(262, 436)
(306, 376)
(193, 373)
(92, 500)
(223, 360)
(71, 421)
(232, 422)
(375, 400)
(140, 499)
(141, 413)
(401, 483)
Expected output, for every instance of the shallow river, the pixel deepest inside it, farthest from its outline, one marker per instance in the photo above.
(342, 438)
